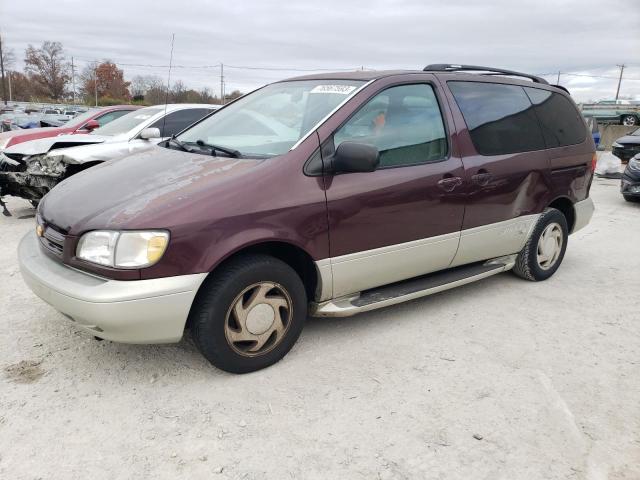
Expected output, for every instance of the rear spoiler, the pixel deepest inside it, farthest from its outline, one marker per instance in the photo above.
(562, 88)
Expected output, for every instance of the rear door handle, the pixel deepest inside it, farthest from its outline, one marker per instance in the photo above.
(448, 184)
(481, 178)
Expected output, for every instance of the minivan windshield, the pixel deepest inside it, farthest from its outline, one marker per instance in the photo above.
(269, 121)
(127, 122)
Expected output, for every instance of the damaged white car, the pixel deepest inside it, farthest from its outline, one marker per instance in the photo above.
(30, 169)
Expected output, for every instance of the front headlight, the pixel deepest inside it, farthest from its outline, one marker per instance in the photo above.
(634, 163)
(616, 144)
(128, 249)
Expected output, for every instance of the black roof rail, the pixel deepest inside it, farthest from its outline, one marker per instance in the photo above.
(446, 67)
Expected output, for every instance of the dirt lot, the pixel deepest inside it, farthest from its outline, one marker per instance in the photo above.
(502, 379)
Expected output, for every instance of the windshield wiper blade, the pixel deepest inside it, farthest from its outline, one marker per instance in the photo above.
(229, 151)
(178, 143)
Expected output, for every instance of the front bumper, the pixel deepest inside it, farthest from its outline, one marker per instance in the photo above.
(630, 186)
(137, 311)
(584, 211)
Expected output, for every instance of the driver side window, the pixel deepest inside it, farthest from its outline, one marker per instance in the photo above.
(403, 122)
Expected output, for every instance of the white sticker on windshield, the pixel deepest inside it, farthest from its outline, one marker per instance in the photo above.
(340, 89)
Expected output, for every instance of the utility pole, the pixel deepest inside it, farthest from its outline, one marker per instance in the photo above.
(619, 79)
(558, 80)
(73, 81)
(221, 84)
(9, 78)
(4, 93)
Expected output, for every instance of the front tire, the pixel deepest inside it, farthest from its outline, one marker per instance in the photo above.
(545, 248)
(249, 314)
(628, 120)
(631, 198)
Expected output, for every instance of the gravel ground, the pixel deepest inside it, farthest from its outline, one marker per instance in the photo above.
(501, 379)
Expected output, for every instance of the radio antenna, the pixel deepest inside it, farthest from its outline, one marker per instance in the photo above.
(166, 98)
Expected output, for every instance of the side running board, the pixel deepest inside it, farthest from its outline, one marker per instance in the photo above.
(410, 289)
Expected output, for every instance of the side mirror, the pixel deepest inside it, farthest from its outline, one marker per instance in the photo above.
(149, 133)
(353, 157)
(91, 125)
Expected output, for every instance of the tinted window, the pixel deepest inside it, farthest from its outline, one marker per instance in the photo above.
(500, 117)
(403, 122)
(175, 122)
(561, 123)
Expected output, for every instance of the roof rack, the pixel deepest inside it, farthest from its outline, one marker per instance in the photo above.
(446, 67)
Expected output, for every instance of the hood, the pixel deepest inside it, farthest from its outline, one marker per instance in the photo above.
(137, 191)
(629, 139)
(101, 152)
(43, 145)
(19, 136)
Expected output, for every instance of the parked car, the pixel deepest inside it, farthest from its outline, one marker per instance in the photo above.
(630, 184)
(83, 123)
(29, 170)
(621, 112)
(628, 146)
(328, 194)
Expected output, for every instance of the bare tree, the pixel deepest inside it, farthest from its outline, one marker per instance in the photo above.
(47, 68)
(6, 62)
(150, 88)
(140, 84)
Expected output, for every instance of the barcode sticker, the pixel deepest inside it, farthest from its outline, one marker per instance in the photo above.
(340, 89)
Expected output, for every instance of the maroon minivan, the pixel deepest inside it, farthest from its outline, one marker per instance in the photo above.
(327, 195)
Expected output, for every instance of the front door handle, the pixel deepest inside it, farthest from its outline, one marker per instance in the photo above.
(448, 184)
(481, 178)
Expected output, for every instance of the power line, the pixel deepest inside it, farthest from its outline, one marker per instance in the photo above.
(296, 69)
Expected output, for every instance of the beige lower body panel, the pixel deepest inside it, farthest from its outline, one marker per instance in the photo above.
(349, 274)
(381, 266)
(494, 240)
(584, 211)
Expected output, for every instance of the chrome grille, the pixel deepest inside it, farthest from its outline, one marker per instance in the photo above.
(53, 241)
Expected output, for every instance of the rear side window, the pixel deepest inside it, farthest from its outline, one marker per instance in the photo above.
(561, 123)
(500, 117)
(175, 122)
(403, 122)
(110, 116)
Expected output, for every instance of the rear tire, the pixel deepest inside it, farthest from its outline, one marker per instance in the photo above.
(249, 314)
(545, 248)
(629, 120)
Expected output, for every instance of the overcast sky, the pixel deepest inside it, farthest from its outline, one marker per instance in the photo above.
(584, 37)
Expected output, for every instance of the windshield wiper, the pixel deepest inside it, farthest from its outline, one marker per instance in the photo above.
(179, 144)
(229, 151)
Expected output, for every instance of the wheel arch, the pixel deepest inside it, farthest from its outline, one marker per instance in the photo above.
(565, 205)
(291, 254)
